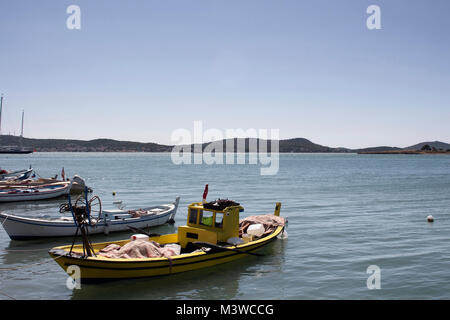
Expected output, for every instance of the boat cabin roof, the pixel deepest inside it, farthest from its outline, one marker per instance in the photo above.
(206, 218)
(199, 206)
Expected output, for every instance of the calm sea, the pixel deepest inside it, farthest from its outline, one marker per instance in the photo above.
(346, 212)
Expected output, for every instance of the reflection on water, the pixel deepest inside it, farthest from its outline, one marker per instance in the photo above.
(39, 209)
(34, 251)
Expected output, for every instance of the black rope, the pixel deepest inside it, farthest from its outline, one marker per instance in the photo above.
(73, 242)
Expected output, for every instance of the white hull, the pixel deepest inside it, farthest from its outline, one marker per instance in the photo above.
(44, 193)
(21, 228)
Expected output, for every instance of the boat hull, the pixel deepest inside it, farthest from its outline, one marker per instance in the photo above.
(76, 188)
(97, 269)
(21, 228)
(43, 194)
(16, 151)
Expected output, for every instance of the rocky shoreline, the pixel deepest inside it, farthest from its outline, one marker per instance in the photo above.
(426, 149)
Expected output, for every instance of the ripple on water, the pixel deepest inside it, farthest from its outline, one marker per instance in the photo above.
(346, 212)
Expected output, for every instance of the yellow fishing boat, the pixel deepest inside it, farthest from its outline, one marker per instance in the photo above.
(210, 237)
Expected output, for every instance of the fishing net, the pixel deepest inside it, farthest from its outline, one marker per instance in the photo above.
(269, 221)
(219, 204)
(140, 249)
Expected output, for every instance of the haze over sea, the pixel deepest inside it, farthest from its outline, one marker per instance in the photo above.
(346, 212)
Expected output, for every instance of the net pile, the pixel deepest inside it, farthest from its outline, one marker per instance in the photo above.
(140, 249)
(269, 221)
(219, 204)
(138, 213)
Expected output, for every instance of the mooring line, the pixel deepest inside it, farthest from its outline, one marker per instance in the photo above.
(7, 295)
(5, 220)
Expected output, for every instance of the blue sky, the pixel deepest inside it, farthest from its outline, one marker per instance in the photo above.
(137, 70)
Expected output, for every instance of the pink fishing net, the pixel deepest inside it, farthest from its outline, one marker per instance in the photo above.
(139, 249)
(269, 221)
(138, 213)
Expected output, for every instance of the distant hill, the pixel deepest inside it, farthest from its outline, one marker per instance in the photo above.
(377, 149)
(296, 145)
(304, 145)
(108, 145)
(435, 147)
(436, 144)
(97, 145)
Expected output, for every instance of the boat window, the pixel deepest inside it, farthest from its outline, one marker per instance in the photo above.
(193, 216)
(206, 218)
(219, 220)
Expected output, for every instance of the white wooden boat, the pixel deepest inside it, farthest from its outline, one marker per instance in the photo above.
(78, 184)
(22, 228)
(15, 150)
(35, 193)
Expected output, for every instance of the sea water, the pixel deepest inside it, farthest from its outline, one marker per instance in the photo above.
(346, 213)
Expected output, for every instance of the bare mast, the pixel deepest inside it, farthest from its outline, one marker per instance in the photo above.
(1, 108)
(21, 131)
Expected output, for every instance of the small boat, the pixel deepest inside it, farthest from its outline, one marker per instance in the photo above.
(78, 184)
(15, 150)
(23, 228)
(44, 192)
(210, 237)
(16, 175)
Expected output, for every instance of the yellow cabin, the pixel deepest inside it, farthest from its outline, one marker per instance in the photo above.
(209, 225)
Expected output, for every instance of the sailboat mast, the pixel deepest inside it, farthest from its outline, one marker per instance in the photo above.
(1, 108)
(21, 132)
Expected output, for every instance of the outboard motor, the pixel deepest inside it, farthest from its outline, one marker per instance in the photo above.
(80, 184)
(79, 180)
